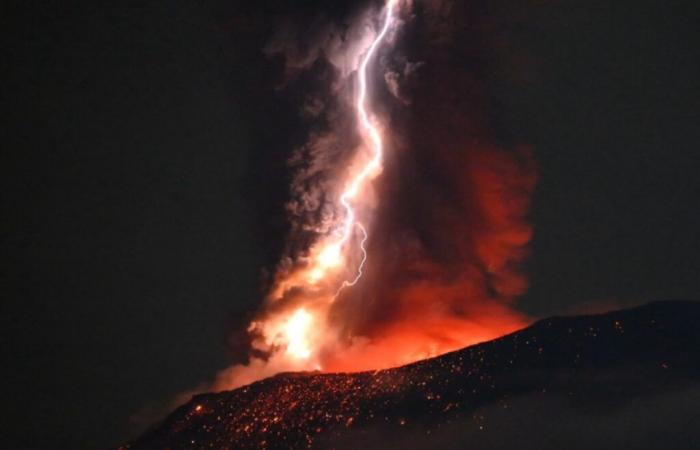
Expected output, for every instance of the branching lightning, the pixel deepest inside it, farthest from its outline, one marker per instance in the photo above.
(360, 267)
(373, 138)
(309, 320)
(296, 329)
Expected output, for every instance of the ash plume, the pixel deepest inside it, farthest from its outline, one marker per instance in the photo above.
(447, 216)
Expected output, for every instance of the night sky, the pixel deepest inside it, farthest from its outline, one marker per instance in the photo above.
(144, 177)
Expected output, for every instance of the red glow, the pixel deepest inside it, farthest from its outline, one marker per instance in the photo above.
(347, 305)
(322, 278)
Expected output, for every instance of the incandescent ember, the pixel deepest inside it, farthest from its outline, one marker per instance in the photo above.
(647, 348)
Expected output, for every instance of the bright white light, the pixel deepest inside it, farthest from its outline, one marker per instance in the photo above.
(296, 332)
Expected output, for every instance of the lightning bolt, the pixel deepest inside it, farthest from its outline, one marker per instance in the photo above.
(297, 330)
(373, 138)
(361, 266)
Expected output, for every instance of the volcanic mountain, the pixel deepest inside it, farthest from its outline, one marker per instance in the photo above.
(629, 378)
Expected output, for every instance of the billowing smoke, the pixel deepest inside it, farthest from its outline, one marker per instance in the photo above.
(444, 217)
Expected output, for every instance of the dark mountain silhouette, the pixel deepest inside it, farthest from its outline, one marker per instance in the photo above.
(627, 378)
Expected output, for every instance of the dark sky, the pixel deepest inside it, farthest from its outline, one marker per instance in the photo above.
(144, 176)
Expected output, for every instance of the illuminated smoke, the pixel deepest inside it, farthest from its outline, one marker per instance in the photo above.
(382, 271)
(331, 254)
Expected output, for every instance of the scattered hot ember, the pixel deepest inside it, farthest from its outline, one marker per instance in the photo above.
(652, 347)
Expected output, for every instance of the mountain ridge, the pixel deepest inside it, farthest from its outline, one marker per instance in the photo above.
(601, 361)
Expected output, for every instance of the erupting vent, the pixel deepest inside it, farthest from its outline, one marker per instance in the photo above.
(366, 282)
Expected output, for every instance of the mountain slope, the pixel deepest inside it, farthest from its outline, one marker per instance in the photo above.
(587, 367)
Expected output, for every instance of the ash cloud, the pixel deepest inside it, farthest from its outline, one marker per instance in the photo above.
(449, 232)
(320, 54)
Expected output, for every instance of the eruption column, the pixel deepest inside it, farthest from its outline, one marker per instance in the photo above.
(301, 324)
(300, 327)
(371, 134)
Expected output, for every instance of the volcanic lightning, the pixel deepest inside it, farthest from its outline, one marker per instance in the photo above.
(330, 256)
(415, 302)
(370, 131)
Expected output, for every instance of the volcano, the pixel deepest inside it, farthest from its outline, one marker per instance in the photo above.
(629, 377)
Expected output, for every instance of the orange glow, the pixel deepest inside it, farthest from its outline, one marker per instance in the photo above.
(345, 302)
(296, 334)
(330, 265)
(330, 256)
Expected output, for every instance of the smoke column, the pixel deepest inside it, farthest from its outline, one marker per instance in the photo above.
(382, 271)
